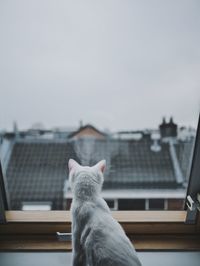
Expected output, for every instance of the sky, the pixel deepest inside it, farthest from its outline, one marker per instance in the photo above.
(116, 64)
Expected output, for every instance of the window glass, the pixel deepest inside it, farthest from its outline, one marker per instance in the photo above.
(157, 204)
(110, 203)
(109, 81)
(131, 204)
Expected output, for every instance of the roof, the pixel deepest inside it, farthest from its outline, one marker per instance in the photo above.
(184, 150)
(136, 165)
(36, 172)
(87, 130)
(37, 169)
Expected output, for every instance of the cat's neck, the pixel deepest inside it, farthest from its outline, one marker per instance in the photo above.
(86, 191)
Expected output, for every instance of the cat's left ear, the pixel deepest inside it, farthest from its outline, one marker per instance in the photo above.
(101, 166)
(72, 164)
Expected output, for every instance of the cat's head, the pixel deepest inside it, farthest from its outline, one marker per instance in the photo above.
(85, 175)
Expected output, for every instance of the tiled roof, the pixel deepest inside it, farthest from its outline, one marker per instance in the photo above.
(37, 170)
(138, 166)
(129, 163)
(184, 151)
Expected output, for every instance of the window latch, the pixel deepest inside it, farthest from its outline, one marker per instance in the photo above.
(192, 210)
(64, 236)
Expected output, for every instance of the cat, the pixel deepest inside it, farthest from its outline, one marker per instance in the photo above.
(97, 238)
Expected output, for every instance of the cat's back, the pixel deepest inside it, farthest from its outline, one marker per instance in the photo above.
(98, 239)
(109, 247)
(105, 241)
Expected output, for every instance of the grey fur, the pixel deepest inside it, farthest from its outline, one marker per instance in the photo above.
(97, 238)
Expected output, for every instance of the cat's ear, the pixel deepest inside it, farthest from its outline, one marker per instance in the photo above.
(72, 164)
(101, 166)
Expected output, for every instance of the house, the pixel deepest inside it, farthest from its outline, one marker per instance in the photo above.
(87, 131)
(145, 170)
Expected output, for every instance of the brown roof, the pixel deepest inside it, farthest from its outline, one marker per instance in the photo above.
(88, 131)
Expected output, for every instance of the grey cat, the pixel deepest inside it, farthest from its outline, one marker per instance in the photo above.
(97, 238)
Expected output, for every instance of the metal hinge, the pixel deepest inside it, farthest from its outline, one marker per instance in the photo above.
(64, 236)
(193, 208)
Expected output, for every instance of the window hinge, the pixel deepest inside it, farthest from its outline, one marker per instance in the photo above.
(193, 208)
(64, 236)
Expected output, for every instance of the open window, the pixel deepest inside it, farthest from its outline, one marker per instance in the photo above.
(106, 66)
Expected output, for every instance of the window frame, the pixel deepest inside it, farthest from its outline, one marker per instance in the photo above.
(3, 198)
(194, 179)
(152, 230)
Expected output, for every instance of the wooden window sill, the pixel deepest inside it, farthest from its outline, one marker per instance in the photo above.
(133, 222)
(149, 230)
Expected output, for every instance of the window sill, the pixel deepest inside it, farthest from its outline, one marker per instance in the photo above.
(133, 222)
(148, 230)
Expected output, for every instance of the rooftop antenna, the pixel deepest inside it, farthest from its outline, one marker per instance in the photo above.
(81, 123)
(15, 129)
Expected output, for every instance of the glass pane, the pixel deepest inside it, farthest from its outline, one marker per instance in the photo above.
(131, 204)
(111, 204)
(119, 82)
(157, 204)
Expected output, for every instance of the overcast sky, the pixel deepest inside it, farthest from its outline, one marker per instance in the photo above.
(118, 64)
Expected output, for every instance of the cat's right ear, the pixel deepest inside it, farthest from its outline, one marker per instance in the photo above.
(101, 166)
(72, 164)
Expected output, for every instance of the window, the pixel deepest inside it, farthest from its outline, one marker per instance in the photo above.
(122, 93)
(36, 206)
(157, 204)
(127, 204)
(111, 204)
(143, 149)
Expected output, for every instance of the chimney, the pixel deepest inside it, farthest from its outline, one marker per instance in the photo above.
(163, 121)
(168, 130)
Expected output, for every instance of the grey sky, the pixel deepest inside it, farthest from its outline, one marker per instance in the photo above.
(116, 64)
